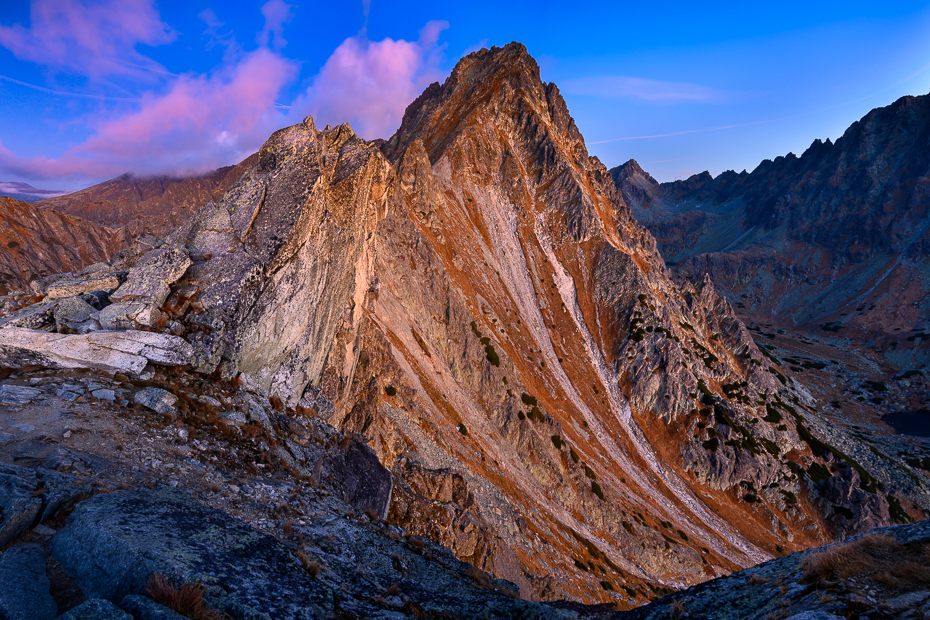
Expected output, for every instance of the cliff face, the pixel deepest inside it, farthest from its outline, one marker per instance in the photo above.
(36, 242)
(154, 205)
(474, 297)
(838, 236)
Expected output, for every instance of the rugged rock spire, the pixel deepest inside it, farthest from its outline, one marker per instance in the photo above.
(475, 299)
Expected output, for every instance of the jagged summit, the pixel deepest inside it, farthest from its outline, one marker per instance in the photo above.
(474, 299)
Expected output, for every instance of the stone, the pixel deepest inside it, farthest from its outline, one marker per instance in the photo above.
(71, 313)
(36, 316)
(24, 586)
(359, 476)
(127, 352)
(19, 509)
(96, 609)
(814, 615)
(113, 542)
(157, 399)
(17, 394)
(144, 608)
(104, 394)
(906, 600)
(236, 418)
(149, 280)
(72, 288)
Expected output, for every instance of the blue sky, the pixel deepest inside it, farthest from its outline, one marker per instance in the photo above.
(89, 90)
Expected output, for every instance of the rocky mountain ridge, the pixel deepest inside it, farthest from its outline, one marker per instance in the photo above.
(833, 237)
(474, 298)
(146, 205)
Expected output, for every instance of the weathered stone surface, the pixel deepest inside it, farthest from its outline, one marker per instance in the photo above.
(35, 316)
(149, 280)
(363, 482)
(24, 586)
(146, 288)
(157, 399)
(17, 394)
(71, 313)
(294, 226)
(34, 240)
(19, 509)
(144, 608)
(96, 609)
(72, 288)
(126, 351)
(113, 542)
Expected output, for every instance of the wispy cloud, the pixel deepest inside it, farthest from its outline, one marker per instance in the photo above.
(200, 123)
(183, 124)
(652, 91)
(62, 93)
(277, 13)
(370, 83)
(94, 40)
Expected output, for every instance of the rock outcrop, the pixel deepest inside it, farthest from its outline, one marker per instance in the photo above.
(36, 242)
(837, 237)
(474, 299)
(152, 205)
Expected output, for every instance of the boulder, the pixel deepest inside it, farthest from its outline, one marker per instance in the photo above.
(112, 543)
(18, 508)
(36, 316)
(358, 475)
(146, 288)
(24, 594)
(96, 609)
(157, 399)
(17, 394)
(143, 608)
(72, 313)
(74, 287)
(127, 352)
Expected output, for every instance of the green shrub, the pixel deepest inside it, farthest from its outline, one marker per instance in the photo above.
(557, 442)
(596, 489)
(391, 390)
(573, 454)
(462, 429)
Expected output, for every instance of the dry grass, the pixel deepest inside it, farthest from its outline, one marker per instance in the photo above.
(186, 599)
(875, 557)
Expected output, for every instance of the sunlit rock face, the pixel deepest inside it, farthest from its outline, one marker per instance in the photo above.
(475, 299)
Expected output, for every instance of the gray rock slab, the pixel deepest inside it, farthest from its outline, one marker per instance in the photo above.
(363, 481)
(113, 542)
(236, 418)
(71, 288)
(96, 609)
(17, 394)
(144, 608)
(36, 316)
(18, 508)
(156, 399)
(24, 586)
(104, 394)
(71, 312)
(126, 352)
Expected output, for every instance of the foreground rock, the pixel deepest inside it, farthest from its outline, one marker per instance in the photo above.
(879, 575)
(24, 588)
(126, 351)
(114, 542)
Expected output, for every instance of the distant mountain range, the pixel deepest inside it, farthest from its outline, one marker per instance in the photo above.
(26, 192)
(831, 245)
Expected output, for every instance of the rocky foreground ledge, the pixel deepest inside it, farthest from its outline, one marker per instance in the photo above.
(103, 484)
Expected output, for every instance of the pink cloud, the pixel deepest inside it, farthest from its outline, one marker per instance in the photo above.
(277, 13)
(369, 84)
(200, 123)
(93, 39)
